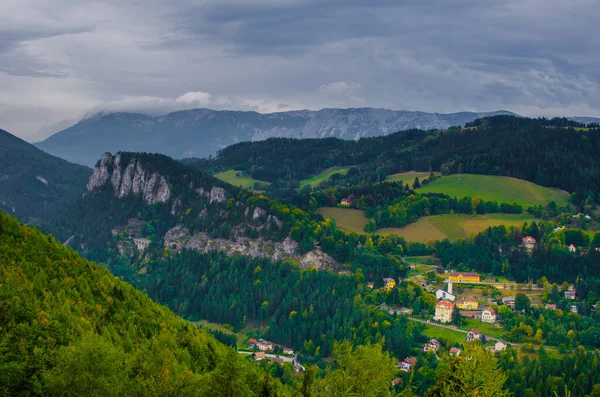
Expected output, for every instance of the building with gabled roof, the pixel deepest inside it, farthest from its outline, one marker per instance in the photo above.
(443, 311)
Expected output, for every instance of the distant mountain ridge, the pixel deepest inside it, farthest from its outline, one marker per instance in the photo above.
(34, 184)
(202, 132)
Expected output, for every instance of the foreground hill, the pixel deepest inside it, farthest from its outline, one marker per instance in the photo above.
(201, 132)
(69, 327)
(33, 183)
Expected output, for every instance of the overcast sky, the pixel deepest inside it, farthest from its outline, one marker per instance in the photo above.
(62, 59)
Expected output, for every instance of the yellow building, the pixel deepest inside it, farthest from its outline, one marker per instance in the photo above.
(467, 303)
(389, 283)
(462, 277)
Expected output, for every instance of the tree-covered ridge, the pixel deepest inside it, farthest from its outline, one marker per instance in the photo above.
(554, 153)
(34, 183)
(69, 327)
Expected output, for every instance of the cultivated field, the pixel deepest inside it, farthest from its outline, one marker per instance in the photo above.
(437, 227)
(495, 188)
(453, 227)
(323, 176)
(408, 177)
(345, 218)
(231, 177)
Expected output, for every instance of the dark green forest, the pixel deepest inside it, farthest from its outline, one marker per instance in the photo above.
(35, 183)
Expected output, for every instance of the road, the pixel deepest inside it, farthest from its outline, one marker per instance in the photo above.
(517, 345)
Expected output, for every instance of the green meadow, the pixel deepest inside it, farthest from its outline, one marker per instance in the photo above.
(236, 178)
(496, 188)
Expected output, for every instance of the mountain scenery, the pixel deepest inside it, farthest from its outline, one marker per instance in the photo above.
(178, 217)
(202, 132)
(34, 184)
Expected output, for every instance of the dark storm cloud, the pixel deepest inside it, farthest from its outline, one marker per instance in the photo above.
(534, 57)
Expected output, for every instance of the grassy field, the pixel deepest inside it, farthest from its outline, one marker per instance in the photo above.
(323, 176)
(408, 177)
(484, 328)
(346, 218)
(496, 188)
(437, 227)
(231, 177)
(419, 260)
(444, 333)
(455, 226)
(240, 336)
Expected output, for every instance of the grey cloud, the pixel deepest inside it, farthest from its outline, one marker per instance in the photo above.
(533, 57)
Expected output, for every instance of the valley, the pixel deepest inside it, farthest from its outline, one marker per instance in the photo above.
(326, 259)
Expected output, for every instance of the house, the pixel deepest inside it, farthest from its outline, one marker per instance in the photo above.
(572, 248)
(265, 346)
(443, 311)
(455, 351)
(288, 351)
(529, 242)
(298, 367)
(370, 285)
(407, 364)
(550, 306)
(401, 310)
(463, 277)
(473, 335)
(509, 300)
(440, 294)
(396, 381)
(346, 202)
(252, 341)
(259, 356)
(500, 345)
(570, 295)
(389, 283)
(432, 345)
(574, 309)
(467, 303)
(488, 315)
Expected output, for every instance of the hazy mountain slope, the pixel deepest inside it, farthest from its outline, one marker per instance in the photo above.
(201, 132)
(69, 327)
(33, 183)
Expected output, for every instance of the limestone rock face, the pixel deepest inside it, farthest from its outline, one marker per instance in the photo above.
(317, 259)
(101, 172)
(217, 194)
(179, 237)
(258, 213)
(129, 178)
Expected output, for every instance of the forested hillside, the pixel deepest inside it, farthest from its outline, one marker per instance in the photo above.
(34, 184)
(555, 153)
(69, 327)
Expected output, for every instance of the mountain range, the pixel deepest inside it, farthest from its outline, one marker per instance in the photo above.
(202, 132)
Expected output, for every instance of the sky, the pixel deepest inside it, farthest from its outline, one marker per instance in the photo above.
(65, 59)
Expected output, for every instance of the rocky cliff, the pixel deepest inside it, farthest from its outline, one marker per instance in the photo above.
(129, 177)
(179, 238)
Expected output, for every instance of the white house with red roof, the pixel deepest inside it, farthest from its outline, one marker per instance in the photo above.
(488, 315)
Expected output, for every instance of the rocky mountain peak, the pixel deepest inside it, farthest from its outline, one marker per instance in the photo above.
(129, 176)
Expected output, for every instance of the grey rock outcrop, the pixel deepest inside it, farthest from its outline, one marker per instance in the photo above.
(101, 173)
(179, 237)
(217, 194)
(133, 179)
(258, 213)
